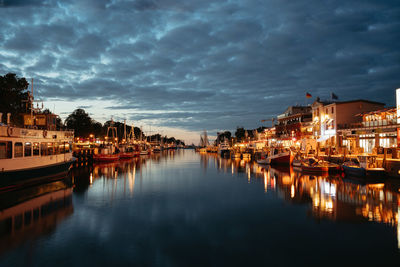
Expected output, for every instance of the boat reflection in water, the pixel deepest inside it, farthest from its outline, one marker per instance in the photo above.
(330, 197)
(31, 212)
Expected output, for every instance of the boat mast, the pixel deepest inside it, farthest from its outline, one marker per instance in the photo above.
(125, 131)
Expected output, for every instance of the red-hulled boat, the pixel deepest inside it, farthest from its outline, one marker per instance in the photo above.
(105, 157)
(128, 152)
(281, 156)
(108, 152)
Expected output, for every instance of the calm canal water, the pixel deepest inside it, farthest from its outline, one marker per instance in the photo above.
(182, 208)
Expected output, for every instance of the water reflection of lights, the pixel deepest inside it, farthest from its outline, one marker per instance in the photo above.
(398, 227)
(91, 178)
(131, 180)
(265, 182)
(316, 201)
(331, 197)
(328, 188)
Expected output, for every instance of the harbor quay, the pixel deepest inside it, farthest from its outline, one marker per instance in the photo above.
(352, 135)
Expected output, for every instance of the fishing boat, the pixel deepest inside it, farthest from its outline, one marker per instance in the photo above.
(106, 154)
(280, 156)
(318, 166)
(128, 149)
(109, 150)
(363, 165)
(203, 143)
(297, 160)
(224, 148)
(264, 159)
(144, 149)
(156, 149)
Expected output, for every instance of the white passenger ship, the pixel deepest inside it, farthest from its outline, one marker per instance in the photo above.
(31, 154)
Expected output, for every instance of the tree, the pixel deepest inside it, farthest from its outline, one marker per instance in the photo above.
(222, 136)
(80, 122)
(13, 93)
(240, 133)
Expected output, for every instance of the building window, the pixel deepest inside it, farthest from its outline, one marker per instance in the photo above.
(333, 109)
(36, 149)
(28, 150)
(5, 150)
(18, 150)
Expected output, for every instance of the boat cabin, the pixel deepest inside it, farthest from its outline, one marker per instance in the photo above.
(367, 161)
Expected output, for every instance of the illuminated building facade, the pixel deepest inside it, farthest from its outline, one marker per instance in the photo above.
(329, 117)
(377, 129)
(293, 124)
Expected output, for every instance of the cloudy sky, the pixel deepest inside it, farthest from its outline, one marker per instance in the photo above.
(192, 65)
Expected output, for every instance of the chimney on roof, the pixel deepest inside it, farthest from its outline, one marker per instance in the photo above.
(8, 118)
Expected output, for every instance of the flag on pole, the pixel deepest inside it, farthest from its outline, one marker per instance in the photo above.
(333, 96)
(308, 95)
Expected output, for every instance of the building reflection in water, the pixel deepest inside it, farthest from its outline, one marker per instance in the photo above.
(30, 212)
(330, 197)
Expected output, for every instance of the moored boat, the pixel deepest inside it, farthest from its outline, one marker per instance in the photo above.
(281, 156)
(363, 165)
(224, 148)
(264, 160)
(315, 166)
(106, 154)
(129, 151)
(109, 150)
(33, 154)
(157, 149)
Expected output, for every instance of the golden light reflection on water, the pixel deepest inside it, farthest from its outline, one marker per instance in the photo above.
(330, 197)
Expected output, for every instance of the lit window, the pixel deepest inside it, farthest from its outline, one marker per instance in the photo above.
(36, 149)
(28, 150)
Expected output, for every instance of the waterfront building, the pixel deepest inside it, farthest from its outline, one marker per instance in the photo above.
(378, 129)
(329, 117)
(291, 123)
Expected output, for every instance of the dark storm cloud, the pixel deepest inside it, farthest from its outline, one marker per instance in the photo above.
(20, 3)
(203, 64)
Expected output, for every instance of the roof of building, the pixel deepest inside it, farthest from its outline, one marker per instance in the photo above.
(359, 100)
(392, 110)
(325, 103)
